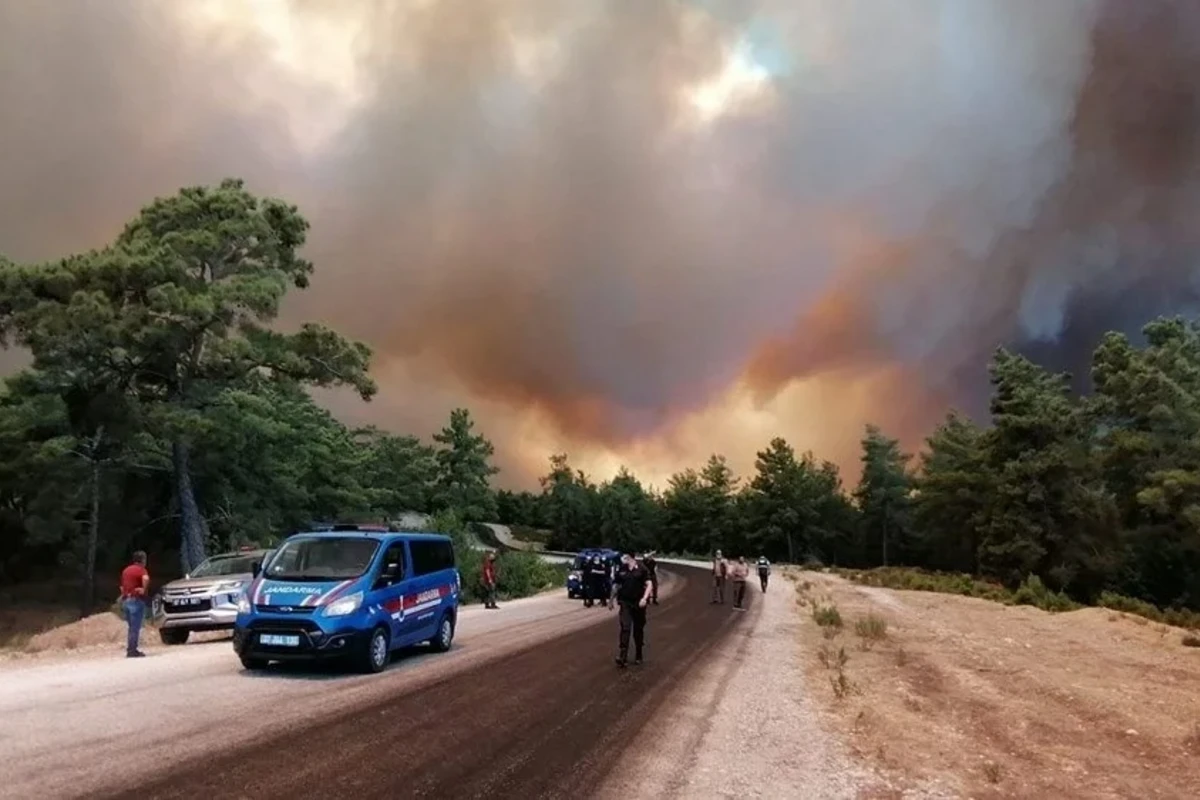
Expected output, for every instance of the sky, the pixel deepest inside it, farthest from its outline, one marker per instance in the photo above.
(644, 231)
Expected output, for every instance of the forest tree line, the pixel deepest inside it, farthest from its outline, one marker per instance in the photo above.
(1090, 494)
(163, 411)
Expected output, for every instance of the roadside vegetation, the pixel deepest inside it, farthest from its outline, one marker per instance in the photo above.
(164, 410)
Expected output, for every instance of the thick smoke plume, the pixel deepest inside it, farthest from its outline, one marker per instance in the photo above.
(648, 229)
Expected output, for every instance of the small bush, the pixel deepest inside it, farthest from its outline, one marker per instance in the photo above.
(1032, 592)
(871, 628)
(842, 686)
(827, 616)
(993, 772)
(1178, 617)
(830, 659)
(1191, 640)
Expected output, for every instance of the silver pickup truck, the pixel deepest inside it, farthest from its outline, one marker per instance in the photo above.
(206, 598)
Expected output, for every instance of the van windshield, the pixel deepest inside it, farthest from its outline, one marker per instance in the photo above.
(327, 558)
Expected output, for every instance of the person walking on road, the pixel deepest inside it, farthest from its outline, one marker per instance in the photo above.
(490, 575)
(739, 572)
(651, 565)
(135, 582)
(631, 590)
(720, 568)
(764, 572)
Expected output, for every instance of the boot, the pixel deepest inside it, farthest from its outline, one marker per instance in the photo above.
(623, 658)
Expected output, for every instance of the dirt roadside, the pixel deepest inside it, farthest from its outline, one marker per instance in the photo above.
(997, 701)
(72, 722)
(746, 726)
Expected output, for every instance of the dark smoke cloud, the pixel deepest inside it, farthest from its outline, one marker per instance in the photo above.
(521, 213)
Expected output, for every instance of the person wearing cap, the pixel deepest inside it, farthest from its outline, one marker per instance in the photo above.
(720, 568)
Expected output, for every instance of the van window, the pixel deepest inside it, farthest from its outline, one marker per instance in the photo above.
(395, 555)
(431, 556)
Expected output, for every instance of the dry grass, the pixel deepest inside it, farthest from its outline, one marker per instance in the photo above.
(991, 700)
(870, 629)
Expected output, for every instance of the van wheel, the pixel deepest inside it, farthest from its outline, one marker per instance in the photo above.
(253, 664)
(445, 635)
(375, 655)
(173, 635)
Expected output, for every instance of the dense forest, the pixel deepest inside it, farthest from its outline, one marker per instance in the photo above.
(162, 411)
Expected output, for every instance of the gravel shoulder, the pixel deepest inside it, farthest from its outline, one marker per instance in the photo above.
(72, 723)
(963, 697)
(746, 726)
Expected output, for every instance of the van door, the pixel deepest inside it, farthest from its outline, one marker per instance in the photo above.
(432, 586)
(388, 588)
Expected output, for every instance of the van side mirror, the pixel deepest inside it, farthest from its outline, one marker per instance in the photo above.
(256, 569)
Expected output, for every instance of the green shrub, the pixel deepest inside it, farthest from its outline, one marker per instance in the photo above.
(521, 574)
(1179, 617)
(1032, 592)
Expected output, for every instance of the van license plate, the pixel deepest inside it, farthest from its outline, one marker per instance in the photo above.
(279, 641)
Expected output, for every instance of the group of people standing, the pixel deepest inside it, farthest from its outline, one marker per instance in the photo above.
(738, 573)
(635, 586)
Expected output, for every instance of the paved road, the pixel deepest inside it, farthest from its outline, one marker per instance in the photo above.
(74, 726)
(547, 721)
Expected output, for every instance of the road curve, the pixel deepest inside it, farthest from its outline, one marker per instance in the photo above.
(549, 722)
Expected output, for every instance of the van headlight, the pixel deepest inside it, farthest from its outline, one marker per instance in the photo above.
(243, 603)
(347, 605)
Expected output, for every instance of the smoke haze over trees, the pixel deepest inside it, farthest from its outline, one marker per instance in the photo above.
(641, 230)
(159, 343)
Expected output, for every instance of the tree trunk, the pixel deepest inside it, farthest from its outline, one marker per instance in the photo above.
(192, 527)
(791, 548)
(89, 575)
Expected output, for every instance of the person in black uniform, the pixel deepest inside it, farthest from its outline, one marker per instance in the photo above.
(651, 565)
(587, 582)
(600, 582)
(631, 590)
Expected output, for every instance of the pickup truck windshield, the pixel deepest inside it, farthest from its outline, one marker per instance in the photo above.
(225, 565)
(326, 558)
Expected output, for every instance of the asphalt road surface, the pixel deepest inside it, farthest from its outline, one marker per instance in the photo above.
(547, 721)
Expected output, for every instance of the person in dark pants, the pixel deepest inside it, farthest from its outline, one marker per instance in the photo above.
(135, 581)
(587, 582)
(651, 565)
(739, 573)
(719, 569)
(599, 576)
(489, 577)
(631, 590)
(764, 571)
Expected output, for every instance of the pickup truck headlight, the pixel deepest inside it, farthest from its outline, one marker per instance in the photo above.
(228, 586)
(347, 605)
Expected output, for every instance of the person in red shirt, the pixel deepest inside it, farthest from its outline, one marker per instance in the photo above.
(490, 576)
(135, 581)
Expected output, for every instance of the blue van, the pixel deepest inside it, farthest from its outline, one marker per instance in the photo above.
(354, 592)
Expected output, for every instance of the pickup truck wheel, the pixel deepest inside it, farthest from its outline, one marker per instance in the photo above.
(253, 664)
(173, 635)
